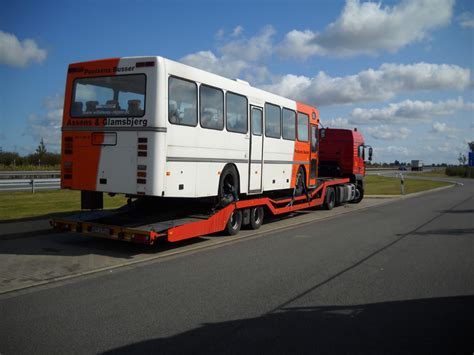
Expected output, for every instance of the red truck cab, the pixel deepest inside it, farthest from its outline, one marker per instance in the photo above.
(342, 154)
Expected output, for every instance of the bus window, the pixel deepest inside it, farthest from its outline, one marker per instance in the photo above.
(236, 113)
(256, 122)
(303, 121)
(272, 121)
(111, 96)
(212, 107)
(289, 124)
(182, 102)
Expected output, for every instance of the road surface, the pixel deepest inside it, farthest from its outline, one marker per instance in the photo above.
(396, 278)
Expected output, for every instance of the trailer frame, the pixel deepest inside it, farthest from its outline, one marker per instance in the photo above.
(183, 229)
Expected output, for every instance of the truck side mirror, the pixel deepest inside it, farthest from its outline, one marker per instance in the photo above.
(322, 133)
(370, 153)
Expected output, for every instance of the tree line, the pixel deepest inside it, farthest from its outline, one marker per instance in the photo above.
(40, 157)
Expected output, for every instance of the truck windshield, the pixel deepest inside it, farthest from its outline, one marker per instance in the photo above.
(109, 96)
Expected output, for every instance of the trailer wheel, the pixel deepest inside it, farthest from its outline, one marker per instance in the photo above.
(234, 223)
(330, 199)
(300, 182)
(256, 217)
(228, 186)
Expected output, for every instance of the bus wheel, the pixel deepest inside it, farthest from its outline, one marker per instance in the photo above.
(300, 182)
(228, 190)
(234, 223)
(256, 217)
(330, 199)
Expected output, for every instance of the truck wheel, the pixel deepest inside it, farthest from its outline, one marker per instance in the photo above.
(359, 195)
(300, 182)
(256, 217)
(234, 223)
(228, 186)
(330, 199)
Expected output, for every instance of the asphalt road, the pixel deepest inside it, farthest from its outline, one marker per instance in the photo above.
(394, 278)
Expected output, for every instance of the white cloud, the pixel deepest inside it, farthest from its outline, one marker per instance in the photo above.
(466, 20)
(338, 122)
(48, 125)
(409, 110)
(385, 132)
(53, 102)
(19, 53)
(238, 57)
(441, 127)
(391, 152)
(372, 85)
(219, 34)
(369, 27)
(237, 31)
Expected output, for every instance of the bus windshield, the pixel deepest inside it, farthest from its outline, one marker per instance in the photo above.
(109, 96)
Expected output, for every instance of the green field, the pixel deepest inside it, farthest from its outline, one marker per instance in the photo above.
(45, 204)
(435, 172)
(381, 185)
(30, 167)
(16, 205)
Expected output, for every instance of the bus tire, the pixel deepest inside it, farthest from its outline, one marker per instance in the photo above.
(330, 199)
(234, 223)
(228, 186)
(256, 217)
(300, 183)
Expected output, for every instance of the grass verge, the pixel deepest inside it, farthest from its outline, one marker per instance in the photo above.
(18, 205)
(45, 204)
(381, 185)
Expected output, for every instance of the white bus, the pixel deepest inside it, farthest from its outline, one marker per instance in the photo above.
(151, 126)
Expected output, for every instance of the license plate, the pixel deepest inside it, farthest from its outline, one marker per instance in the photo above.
(100, 230)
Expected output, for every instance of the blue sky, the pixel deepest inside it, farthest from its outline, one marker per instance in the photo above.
(400, 71)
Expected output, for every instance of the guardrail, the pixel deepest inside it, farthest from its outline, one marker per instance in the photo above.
(29, 174)
(29, 184)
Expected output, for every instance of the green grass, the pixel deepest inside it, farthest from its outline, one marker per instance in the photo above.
(45, 204)
(18, 205)
(436, 172)
(381, 185)
(30, 167)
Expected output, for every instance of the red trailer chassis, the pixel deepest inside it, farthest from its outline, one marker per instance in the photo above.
(186, 228)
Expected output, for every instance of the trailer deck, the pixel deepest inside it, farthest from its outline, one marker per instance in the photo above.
(140, 222)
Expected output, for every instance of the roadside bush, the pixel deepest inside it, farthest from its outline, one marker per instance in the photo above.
(462, 171)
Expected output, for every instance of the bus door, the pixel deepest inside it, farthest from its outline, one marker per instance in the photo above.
(256, 150)
(313, 173)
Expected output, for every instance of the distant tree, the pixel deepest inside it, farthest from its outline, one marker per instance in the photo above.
(462, 159)
(396, 162)
(41, 150)
(471, 146)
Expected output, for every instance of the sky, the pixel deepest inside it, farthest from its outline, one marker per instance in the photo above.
(399, 71)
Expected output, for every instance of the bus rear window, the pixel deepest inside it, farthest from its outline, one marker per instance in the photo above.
(109, 96)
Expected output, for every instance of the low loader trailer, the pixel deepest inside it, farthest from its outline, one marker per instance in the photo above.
(139, 222)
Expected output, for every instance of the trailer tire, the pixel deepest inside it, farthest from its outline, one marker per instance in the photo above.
(234, 223)
(256, 217)
(300, 183)
(228, 186)
(330, 199)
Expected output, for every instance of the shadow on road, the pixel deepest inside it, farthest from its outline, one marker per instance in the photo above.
(427, 326)
(52, 242)
(458, 211)
(452, 231)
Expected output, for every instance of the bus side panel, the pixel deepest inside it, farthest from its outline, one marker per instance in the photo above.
(278, 162)
(118, 165)
(156, 169)
(302, 149)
